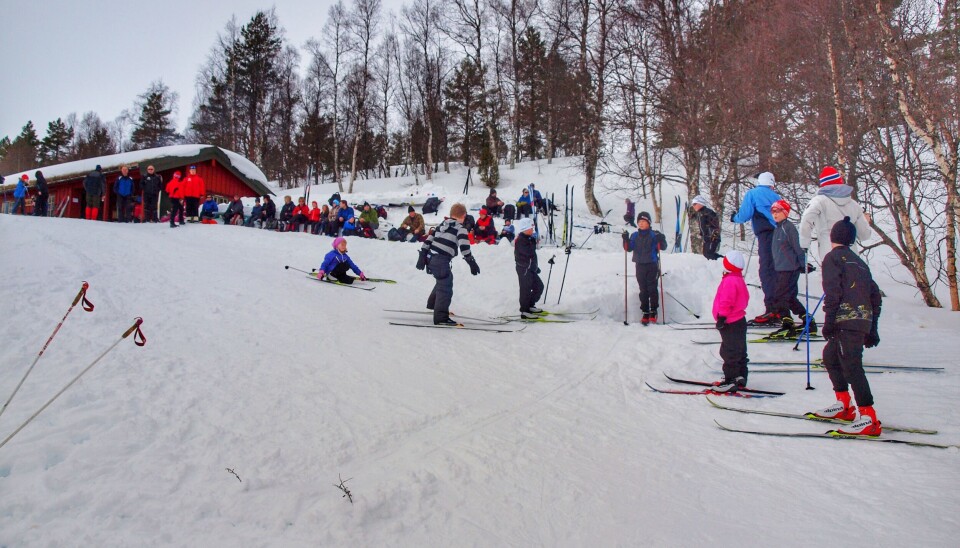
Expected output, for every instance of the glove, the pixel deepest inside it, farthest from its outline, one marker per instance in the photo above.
(721, 323)
(810, 268)
(538, 270)
(474, 267)
(805, 250)
(873, 339)
(321, 274)
(362, 277)
(422, 261)
(733, 217)
(626, 236)
(829, 329)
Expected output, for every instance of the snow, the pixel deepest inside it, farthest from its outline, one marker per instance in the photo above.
(546, 437)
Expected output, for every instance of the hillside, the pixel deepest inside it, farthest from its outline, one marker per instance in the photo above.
(547, 437)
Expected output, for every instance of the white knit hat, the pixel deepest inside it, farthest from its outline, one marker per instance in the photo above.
(521, 224)
(699, 199)
(734, 258)
(766, 179)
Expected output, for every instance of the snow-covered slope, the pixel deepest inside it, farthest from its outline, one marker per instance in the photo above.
(546, 437)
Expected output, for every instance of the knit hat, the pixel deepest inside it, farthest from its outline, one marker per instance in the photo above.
(410, 209)
(766, 179)
(337, 240)
(733, 261)
(843, 232)
(523, 223)
(830, 176)
(483, 212)
(176, 174)
(699, 199)
(493, 191)
(25, 177)
(336, 202)
(644, 216)
(782, 204)
(99, 168)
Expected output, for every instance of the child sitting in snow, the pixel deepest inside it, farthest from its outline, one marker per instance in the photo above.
(336, 263)
(730, 311)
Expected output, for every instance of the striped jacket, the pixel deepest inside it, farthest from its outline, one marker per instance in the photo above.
(445, 240)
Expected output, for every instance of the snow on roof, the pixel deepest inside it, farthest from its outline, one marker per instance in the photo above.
(114, 161)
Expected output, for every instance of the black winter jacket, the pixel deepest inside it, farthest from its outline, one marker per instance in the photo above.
(151, 185)
(709, 225)
(525, 253)
(851, 298)
(270, 210)
(94, 183)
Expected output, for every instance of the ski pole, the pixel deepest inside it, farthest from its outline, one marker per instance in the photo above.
(564, 279)
(549, 272)
(625, 253)
(298, 270)
(697, 316)
(806, 289)
(663, 301)
(87, 306)
(750, 256)
(138, 339)
(806, 328)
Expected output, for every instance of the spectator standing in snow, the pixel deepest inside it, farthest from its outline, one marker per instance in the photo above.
(193, 190)
(788, 261)
(730, 311)
(438, 250)
(175, 193)
(851, 304)
(20, 195)
(631, 212)
(832, 203)
(646, 244)
(337, 262)
(43, 196)
(151, 184)
(494, 205)
(94, 184)
(709, 227)
(756, 209)
(123, 188)
(528, 269)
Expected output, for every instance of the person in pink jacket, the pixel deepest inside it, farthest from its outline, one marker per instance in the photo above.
(730, 310)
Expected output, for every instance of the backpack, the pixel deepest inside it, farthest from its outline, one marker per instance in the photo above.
(394, 235)
(509, 212)
(381, 212)
(432, 205)
(271, 224)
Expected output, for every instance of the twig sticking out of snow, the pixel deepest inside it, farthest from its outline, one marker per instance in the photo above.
(342, 487)
(235, 474)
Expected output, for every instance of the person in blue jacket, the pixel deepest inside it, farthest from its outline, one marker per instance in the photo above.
(756, 209)
(20, 195)
(336, 263)
(646, 244)
(123, 188)
(210, 209)
(524, 204)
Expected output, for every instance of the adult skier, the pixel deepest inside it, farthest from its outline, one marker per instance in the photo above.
(756, 209)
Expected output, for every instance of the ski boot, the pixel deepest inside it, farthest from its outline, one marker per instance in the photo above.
(842, 409)
(813, 323)
(770, 319)
(729, 385)
(866, 425)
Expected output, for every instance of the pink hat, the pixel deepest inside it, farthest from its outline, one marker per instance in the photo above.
(830, 176)
(337, 240)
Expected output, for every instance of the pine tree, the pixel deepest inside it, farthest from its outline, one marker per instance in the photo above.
(55, 146)
(155, 126)
(258, 69)
(22, 153)
(464, 94)
(531, 76)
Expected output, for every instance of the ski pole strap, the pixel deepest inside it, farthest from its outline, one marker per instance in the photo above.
(87, 305)
(138, 338)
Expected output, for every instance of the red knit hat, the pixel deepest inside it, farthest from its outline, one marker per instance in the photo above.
(25, 177)
(830, 176)
(782, 204)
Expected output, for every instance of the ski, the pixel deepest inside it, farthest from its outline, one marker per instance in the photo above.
(764, 340)
(452, 315)
(812, 417)
(532, 320)
(833, 434)
(461, 327)
(699, 327)
(381, 280)
(341, 284)
(588, 313)
(709, 384)
(708, 392)
(880, 366)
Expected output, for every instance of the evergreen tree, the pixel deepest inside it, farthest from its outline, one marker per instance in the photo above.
(465, 106)
(258, 69)
(531, 84)
(155, 124)
(55, 146)
(22, 153)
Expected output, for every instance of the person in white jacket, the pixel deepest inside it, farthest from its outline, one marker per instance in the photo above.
(831, 204)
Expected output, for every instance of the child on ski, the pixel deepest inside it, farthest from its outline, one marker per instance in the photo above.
(437, 251)
(851, 304)
(646, 245)
(525, 255)
(789, 262)
(730, 311)
(336, 263)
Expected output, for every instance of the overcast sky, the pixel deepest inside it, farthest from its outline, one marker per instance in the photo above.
(63, 56)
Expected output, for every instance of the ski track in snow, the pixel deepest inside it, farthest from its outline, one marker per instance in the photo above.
(542, 438)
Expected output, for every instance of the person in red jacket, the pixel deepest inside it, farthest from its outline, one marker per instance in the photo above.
(485, 230)
(193, 190)
(314, 218)
(175, 192)
(301, 215)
